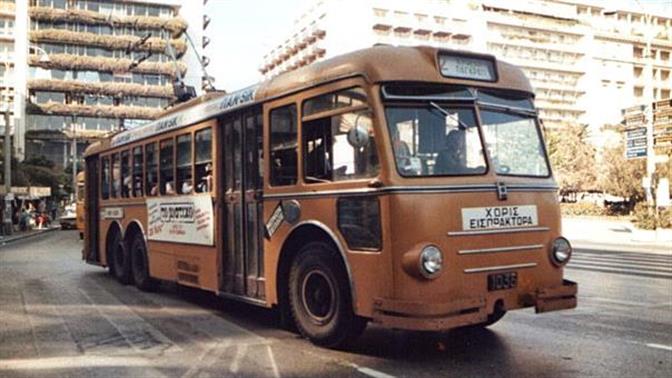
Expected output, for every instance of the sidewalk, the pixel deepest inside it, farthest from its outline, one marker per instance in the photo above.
(615, 235)
(19, 235)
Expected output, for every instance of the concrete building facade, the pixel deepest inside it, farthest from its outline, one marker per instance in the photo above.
(83, 68)
(585, 62)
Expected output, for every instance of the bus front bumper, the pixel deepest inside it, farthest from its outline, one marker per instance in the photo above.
(421, 316)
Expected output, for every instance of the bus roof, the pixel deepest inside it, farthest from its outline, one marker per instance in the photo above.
(375, 64)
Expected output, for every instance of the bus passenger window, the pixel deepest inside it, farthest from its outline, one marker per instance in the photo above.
(151, 180)
(283, 157)
(137, 172)
(166, 182)
(203, 145)
(340, 147)
(105, 184)
(185, 183)
(116, 176)
(125, 174)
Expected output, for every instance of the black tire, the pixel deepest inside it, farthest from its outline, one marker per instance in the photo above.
(319, 297)
(140, 264)
(121, 260)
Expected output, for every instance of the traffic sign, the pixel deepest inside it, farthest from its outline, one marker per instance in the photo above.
(635, 143)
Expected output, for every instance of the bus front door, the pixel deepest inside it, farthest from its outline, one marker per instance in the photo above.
(242, 262)
(91, 235)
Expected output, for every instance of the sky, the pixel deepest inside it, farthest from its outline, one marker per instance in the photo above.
(242, 31)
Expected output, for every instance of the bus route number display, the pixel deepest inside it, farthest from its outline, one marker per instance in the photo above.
(181, 220)
(488, 218)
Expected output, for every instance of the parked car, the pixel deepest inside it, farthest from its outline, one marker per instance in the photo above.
(68, 220)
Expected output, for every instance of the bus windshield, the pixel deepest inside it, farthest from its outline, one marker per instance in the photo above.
(431, 142)
(439, 139)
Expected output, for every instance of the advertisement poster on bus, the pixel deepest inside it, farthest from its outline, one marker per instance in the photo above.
(181, 220)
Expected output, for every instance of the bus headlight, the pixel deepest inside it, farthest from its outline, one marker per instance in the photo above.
(561, 251)
(431, 261)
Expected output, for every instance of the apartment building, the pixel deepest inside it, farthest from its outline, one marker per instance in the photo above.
(585, 62)
(88, 67)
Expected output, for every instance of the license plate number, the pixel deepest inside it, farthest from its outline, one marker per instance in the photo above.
(501, 281)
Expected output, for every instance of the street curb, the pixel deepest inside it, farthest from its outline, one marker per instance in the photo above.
(644, 248)
(10, 240)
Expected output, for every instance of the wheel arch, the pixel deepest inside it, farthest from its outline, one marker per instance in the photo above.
(301, 233)
(133, 228)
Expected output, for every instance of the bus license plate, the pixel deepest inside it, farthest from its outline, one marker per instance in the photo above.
(501, 281)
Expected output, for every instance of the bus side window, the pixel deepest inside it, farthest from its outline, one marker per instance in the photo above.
(151, 180)
(166, 179)
(116, 176)
(283, 159)
(125, 174)
(105, 184)
(185, 183)
(203, 146)
(137, 172)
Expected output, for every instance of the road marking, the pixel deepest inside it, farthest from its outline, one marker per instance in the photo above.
(620, 302)
(276, 372)
(71, 362)
(659, 346)
(240, 353)
(370, 372)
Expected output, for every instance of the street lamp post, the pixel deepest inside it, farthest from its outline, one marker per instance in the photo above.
(74, 157)
(7, 146)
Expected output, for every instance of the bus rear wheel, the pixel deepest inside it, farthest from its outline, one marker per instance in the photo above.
(121, 262)
(319, 297)
(140, 265)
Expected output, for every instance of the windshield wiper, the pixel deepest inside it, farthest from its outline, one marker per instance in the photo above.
(448, 114)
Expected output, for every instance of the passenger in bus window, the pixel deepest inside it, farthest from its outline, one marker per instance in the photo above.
(401, 150)
(155, 189)
(205, 185)
(451, 159)
(126, 187)
(187, 187)
(169, 187)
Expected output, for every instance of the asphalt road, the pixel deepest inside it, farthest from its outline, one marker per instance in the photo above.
(61, 317)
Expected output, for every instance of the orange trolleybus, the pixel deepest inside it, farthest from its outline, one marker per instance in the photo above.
(409, 187)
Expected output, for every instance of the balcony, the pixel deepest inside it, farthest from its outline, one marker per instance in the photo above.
(176, 26)
(101, 88)
(97, 63)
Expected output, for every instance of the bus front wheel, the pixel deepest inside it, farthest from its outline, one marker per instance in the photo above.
(140, 265)
(319, 297)
(121, 262)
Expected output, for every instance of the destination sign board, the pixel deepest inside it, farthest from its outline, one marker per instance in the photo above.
(188, 116)
(464, 67)
(635, 143)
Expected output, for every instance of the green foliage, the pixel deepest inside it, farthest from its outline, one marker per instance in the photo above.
(582, 209)
(622, 177)
(39, 171)
(645, 219)
(572, 158)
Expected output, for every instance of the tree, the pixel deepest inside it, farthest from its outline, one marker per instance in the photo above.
(620, 176)
(572, 158)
